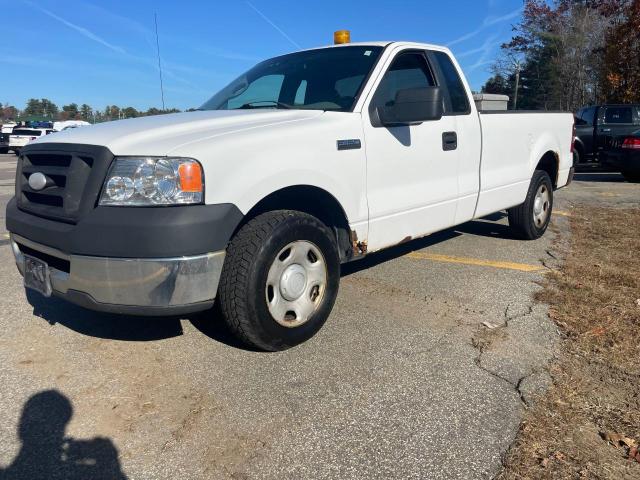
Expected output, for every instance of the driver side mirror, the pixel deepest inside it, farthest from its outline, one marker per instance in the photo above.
(411, 106)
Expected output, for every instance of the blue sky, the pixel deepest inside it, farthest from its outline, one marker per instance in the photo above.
(104, 52)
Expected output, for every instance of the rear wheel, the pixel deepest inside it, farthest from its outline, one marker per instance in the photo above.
(632, 176)
(280, 279)
(531, 219)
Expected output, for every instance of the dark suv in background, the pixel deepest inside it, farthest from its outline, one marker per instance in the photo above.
(609, 134)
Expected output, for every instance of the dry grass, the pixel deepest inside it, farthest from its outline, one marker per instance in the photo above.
(587, 423)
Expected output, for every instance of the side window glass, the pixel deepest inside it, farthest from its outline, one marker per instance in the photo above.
(264, 89)
(618, 115)
(457, 93)
(587, 116)
(408, 70)
(591, 116)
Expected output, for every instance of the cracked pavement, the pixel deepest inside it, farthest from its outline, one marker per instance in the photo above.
(422, 371)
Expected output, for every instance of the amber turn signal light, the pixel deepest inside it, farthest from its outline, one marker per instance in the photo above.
(190, 177)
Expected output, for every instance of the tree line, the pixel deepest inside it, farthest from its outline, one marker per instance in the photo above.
(45, 108)
(566, 54)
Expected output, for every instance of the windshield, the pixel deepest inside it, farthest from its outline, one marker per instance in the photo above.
(323, 79)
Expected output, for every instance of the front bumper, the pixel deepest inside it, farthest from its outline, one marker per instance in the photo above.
(135, 286)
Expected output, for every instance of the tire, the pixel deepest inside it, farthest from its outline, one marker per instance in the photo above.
(16, 152)
(530, 220)
(261, 275)
(631, 176)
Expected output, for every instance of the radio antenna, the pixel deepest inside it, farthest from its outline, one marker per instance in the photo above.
(155, 17)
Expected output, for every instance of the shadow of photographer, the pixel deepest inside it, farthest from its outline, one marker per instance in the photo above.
(46, 453)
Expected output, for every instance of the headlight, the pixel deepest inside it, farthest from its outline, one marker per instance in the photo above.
(144, 181)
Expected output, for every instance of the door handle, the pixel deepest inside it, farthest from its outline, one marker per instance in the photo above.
(449, 141)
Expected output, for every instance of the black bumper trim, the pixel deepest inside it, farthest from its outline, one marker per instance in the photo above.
(133, 232)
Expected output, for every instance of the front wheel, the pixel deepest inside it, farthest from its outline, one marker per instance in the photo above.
(531, 219)
(280, 279)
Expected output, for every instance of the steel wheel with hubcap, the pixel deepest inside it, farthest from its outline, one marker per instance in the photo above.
(296, 283)
(541, 205)
(280, 279)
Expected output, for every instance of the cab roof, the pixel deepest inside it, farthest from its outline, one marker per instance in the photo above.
(380, 44)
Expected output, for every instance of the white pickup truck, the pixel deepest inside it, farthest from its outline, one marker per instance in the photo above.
(307, 161)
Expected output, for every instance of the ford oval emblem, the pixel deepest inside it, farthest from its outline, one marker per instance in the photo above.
(37, 181)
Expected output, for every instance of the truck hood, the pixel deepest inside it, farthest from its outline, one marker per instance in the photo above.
(165, 134)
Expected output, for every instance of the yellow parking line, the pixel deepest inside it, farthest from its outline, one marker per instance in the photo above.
(522, 267)
(562, 213)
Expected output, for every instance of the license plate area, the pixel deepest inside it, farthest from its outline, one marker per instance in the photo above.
(36, 275)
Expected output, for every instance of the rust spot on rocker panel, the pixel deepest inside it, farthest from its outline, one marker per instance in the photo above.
(359, 248)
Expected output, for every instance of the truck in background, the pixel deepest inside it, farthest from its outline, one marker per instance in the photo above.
(599, 128)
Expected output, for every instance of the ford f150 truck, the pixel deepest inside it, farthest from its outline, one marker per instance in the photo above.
(307, 161)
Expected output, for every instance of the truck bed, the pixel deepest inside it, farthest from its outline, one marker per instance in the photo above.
(512, 144)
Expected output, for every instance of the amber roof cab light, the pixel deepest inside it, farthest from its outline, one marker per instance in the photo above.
(341, 36)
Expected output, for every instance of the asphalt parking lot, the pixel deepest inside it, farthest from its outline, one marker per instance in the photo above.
(396, 385)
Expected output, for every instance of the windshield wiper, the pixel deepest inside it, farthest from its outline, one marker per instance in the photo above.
(274, 102)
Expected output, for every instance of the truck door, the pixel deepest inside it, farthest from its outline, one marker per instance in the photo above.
(412, 170)
(468, 134)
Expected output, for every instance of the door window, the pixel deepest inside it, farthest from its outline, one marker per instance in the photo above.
(618, 115)
(408, 70)
(589, 115)
(457, 93)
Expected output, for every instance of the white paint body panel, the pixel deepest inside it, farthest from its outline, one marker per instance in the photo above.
(512, 146)
(399, 185)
